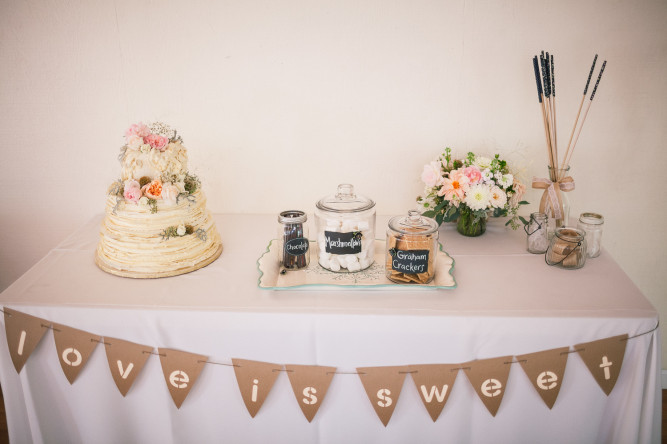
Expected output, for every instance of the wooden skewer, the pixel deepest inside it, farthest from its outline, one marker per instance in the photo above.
(555, 127)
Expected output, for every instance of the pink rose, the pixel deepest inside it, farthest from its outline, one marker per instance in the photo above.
(157, 142)
(132, 191)
(134, 142)
(432, 174)
(137, 129)
(473, 173)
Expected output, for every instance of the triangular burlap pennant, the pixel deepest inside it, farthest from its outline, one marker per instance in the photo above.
(434, 383)
(255, 380)
(181, 370)
(310, 384)
(383, 386)
(23, 334)
(74, 348)
(126, 359)
(604, 359)
(545, 369)
(489, 378)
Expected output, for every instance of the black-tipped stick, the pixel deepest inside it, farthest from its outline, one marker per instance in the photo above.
(546, 109)
(576, 120)
(588, 107)
(555, 126)
(540, 97)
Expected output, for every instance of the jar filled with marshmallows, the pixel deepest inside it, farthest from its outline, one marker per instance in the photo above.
(345, 230)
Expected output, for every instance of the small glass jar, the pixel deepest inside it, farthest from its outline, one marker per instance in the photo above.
(345, 231)
(411, 249)
(592, 224)
(537, 241)
(293, 242)
(567, 248)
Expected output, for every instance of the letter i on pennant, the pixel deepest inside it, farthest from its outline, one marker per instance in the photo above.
(23, 334)
(126, 360)
(255, 380)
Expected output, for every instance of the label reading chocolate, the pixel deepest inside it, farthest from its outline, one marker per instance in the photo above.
(409, 261)
(342, 243)
(297, 246)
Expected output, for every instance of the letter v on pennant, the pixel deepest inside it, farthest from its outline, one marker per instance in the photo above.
(126, 360)
(23, 334)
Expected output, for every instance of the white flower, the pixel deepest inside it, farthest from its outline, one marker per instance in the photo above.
(145, 148)
(487, 176)
(432, 174)
(180, 230)
(478, 197)
(143, 200)
(498, 176)
(506, 180)
(162, 129)
(482, 162)
(169, 193)
(498, 197)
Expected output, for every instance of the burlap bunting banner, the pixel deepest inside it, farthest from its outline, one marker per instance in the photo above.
(434, 383)
(74, 348)
(383, 386)
(310, 384)
(126, 359)
(23, 334)
(545, 370)
(604, 359)
(181, 370)
(255, 380)
(489, 379)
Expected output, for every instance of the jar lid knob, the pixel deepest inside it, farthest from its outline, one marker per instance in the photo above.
(345, 191)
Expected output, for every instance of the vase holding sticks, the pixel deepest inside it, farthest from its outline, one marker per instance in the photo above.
(563, 200)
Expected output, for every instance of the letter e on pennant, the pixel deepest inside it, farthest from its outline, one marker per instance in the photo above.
(489, 379)
(545, 370)
(181, 370)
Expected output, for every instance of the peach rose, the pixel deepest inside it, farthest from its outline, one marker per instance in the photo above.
(157, 142)
(153, 190)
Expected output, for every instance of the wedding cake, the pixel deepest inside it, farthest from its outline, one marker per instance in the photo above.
(156, 221)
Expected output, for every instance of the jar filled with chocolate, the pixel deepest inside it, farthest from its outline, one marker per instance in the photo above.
(345, 230)
(411, 249)
(293, 242)
(567, 248)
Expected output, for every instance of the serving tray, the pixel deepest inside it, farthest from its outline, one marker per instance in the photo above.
(314, 277)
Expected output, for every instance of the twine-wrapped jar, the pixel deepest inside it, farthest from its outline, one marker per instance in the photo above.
(567, 248)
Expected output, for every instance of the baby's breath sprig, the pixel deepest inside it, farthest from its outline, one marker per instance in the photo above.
(153, 204)
(117, 188)
(191, 182)
(201, 234)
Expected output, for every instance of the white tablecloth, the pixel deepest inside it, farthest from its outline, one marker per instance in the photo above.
(508, 302)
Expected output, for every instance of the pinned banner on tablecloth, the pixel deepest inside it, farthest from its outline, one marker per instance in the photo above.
(255, 380)
(126, 360)
(489, 379)
(545, 371)
(74, 347)
(383, 386)
(23, 334)
(434, 383)
(310, 384)
(181, 370)
(604, 359)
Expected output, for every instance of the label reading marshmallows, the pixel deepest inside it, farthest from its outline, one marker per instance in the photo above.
(409, 261)
(342, 243)
(297, 246)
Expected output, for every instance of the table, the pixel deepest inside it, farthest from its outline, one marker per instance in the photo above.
(508, 302)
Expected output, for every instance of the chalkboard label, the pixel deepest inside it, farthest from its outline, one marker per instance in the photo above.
(409, 261)
(296, 247)
(342, 243)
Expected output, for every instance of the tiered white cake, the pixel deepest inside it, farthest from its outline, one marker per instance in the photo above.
(156, 222)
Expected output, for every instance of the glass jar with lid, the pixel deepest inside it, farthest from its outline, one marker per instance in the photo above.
(411, 249)
(592, 224)
(567, 248)
(345, 230)
(293, 242)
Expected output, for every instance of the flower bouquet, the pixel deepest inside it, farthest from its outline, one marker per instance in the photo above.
(470, 190)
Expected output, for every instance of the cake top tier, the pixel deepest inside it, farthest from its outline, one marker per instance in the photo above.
(154, 151)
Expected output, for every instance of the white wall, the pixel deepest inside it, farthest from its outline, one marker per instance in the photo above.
(279, 101)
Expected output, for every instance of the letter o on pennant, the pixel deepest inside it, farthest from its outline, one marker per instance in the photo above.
(76, 353)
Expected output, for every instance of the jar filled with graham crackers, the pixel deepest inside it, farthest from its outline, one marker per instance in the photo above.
(411, 249)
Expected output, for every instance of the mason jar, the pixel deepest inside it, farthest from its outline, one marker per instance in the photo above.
(293, 246)
(345, 230)
(411, 249)
(567, 248)
(537, 241)
(592, 224)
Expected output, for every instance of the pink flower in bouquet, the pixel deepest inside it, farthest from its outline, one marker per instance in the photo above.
(432, 174)
(153, 190)
(132, 191)
(137, 129)
(473, 173)
(157, 142)
(455, 185)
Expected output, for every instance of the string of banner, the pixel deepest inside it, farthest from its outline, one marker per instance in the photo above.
(545, 369)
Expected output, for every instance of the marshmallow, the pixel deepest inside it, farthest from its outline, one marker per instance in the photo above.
(354, 267)
(334, 266)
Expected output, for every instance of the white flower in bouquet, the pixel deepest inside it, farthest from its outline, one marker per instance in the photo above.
(506, 180)
(498, 197)
(487, 176)
(478, 197)
(432, 174)
(482, 162)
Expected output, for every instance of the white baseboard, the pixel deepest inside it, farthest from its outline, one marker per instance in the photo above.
(664, 379)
